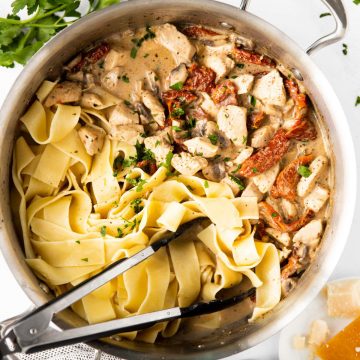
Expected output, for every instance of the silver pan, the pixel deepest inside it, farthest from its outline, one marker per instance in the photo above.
(137, 13)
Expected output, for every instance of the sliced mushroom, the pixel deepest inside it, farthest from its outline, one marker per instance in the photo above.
(287, 285)
(153, 83)
(178, 75)
(215, 171)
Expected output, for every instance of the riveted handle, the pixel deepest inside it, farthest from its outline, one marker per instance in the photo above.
(337, 10)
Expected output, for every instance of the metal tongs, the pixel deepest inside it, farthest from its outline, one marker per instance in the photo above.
(32, 332)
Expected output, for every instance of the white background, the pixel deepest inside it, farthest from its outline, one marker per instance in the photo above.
(300, 20)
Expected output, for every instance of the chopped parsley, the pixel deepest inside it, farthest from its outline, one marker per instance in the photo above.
(240, 66)
(177, 112)
(255, 170)
(176, 128)
(233, 76)
(191, 123)
(136, 204)
(127, 102)
(142, 153)
(167, 163)
(237, 181)
(304, 171)
(125, 79)
(77, 241)
(345, 49)
(357, 102)
(138, 42)
(236, 169)
(120, 233)
(129, 162)
(226, 159)
(101, 64)
(133, 52)
(85, 259)
(324, 14)
(252, 100)
(244, 140)
(274, 214)
(157, 143)
(103, 230)
(177, 86)
(213, 138)
(146, 55)
(138, 183)
(206, 184)
(356, 2)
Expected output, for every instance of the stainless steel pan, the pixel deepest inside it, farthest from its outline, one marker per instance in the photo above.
(137, 13)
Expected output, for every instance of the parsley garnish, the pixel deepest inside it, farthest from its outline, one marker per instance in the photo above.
(177, 112)
(176, 128)
(138, 182)
(304, 171)
(356, 2)
(77, 241)
(138, 42)
(22, 38)
(254, 170)
(177, 86)
(85, 259)
(127, 102)
(120, 233)
(167, 163)
(252, 100)
(345, 49)
(240, 66)
(124, 78)
(136, 204)
(324, 14)
(244, 140)
(206, 184)
(226, 159)
(213, 138)
(357, 102)
(274, 214)
(103, 230)
(237, 169)
(146, 55)
(237, 181)
(157, 143)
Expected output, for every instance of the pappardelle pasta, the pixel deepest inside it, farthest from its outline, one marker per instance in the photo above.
(97, 178)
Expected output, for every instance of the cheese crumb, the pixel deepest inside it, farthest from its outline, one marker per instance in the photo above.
(299, 342)
(319, 332)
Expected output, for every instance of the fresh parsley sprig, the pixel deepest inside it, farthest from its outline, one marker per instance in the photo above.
(20, 38)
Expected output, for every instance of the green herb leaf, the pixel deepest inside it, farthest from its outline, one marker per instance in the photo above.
(120, 233)
(125, 79)
(206, 184)
(304, 171)
(213, 138)
(167, 163)
(237, 181)
(177, 86)
(21, 38)
(177, 128)
(274, 214)
(85, 259)
(356, 2)
(252, 100)
(357, 102)
(244, 140)
(103, 230)
(77, 241)
(324, 14)
(345, 49)
(236, 169)
(240, 66)
(133, 52)
(177, 112)
(136, 204)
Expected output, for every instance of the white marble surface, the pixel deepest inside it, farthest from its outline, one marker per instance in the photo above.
(300, 20)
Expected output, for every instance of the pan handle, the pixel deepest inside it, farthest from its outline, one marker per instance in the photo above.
(337, 10)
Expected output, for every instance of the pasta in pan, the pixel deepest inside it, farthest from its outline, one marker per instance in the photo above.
(145, 132)
(71, 233)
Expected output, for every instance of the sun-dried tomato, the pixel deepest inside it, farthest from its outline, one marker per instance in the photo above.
(303, 130)
(148, 166)
(200, 78)
(92, 56)
(274, 219)
(252, 57)
(225, 93)
(198, 32)
(286, 182)
(299, 98)
(255, 119)
(267, 156)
